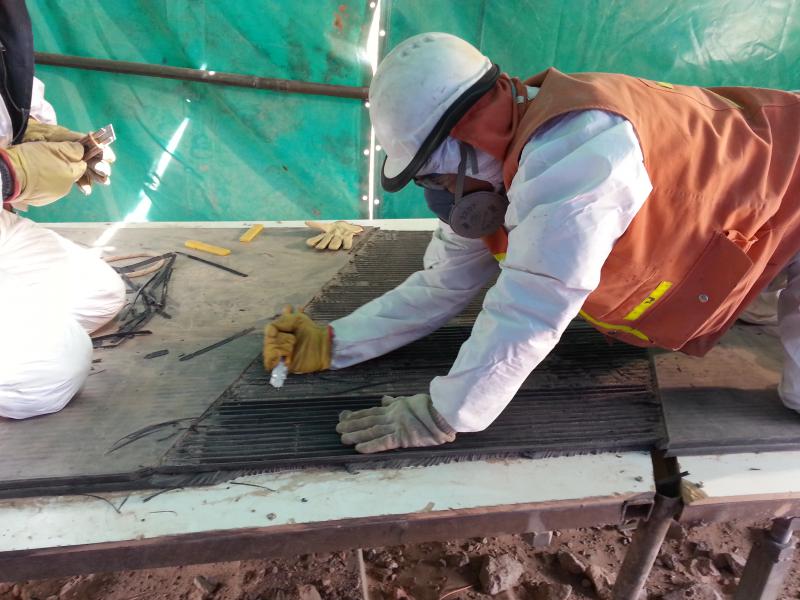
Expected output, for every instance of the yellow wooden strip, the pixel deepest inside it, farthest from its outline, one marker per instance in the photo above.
(664, 84)
(250, 234)
(195, 245)
(611, 327)
(649, 301)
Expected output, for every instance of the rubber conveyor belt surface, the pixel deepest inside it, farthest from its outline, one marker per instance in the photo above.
(587, 396)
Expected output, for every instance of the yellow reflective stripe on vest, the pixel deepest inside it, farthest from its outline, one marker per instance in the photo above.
(611, 327)
(637, 312)
(634, 314)
(649, 301)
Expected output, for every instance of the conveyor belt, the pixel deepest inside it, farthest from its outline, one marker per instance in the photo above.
(722, 421)
(71, 450)
(586, 397)
(727, 401)
(166, 423)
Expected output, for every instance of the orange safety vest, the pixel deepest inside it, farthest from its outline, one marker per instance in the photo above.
(723, 217)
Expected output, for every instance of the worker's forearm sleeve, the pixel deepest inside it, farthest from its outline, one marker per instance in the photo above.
(440, 422)
(455, 270)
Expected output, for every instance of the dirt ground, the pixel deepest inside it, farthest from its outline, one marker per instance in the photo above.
(701, 563)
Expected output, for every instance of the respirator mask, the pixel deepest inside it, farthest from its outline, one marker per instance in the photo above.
(473, 215)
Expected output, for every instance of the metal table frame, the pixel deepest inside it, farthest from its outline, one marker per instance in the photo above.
(721, 488)
(285, 514)
(652, 496)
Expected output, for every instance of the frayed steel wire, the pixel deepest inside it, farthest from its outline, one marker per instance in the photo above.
(149, 299)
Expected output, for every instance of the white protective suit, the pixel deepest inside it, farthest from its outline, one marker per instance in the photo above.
(53, 293)
(580, 183)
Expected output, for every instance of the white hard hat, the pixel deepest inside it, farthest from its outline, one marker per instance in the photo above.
(420, 91)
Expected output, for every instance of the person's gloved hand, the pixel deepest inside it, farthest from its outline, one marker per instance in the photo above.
(37, 131)
(98, 168)
(43, 172)
(304, 345)
(403, 422)
(98, 171)
(334, 235)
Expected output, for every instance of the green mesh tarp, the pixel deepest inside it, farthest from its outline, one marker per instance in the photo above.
(198, 152)
(692, 42)
(195, 152)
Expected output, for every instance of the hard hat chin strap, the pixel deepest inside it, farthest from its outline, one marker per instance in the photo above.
(479, 213)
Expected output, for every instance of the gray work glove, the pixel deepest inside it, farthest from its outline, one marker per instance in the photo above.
(404, 422)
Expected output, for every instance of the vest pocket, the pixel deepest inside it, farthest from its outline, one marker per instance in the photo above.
(683, 311)
(742, 241)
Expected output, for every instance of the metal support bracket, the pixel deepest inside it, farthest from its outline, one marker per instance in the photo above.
(637, 508)
(644, 548)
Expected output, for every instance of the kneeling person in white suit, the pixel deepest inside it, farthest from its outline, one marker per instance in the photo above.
(53, 293)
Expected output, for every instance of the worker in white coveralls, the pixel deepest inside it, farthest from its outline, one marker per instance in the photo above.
(52, 292)
(657, 212)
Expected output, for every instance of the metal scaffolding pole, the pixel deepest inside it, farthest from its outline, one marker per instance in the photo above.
(769, 562)
(202, 76)
(643, 551)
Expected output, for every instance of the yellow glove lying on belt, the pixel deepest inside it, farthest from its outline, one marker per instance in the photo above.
(43, 172)
(98, 168)
(294, 337)
(334, 235)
